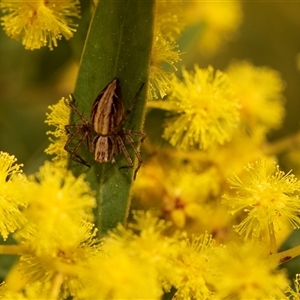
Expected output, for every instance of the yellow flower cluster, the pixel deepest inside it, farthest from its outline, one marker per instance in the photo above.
(11, 179)
(59, 118)
(204, 110)
(39, 23)
(267, 196)
(259, 90)
(60, 254)
(168, 25)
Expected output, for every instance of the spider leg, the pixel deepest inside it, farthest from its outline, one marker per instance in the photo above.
(75, 110)
(129, 110)
(141, 135)
(133, 146)
(130, 140)
(122, 148)
(83, 130)
(73, 152)
(71, 126)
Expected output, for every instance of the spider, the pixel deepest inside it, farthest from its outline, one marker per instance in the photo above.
(105, 135)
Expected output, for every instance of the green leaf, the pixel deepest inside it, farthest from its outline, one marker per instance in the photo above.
(118, 45)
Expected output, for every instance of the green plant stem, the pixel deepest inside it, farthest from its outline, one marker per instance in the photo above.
(273, 244)
(12, 249)
(118, 45)
(283, 144)
(287, 255)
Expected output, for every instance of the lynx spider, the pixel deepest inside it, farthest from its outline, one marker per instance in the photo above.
(105, 135)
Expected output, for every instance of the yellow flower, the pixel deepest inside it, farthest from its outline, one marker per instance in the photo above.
(145, 242)
(167, 186)
(268, 196)
(134, 262)
(118, 275)
(246, 272)
(194, 273)
(182, 202)
(169, 18)
(218, 22)
(30, 292)
(164, 48)
(56, 199)
(260, 92)
(204, 111)
(163, 51)
(39, 23)
(244, 146)
(58, 241)
(11, 195)
(67, 254)
(59, 117)
(294, 295)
